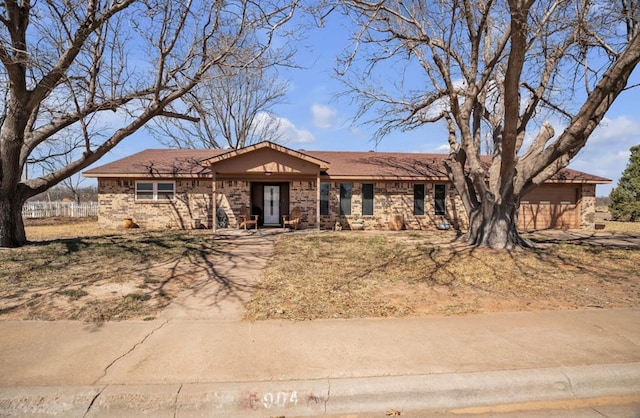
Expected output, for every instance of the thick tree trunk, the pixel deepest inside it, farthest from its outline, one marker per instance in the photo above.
(495, 225)
(11, 225)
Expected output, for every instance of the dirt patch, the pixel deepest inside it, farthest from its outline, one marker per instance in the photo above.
(346, 275)
(99, 275)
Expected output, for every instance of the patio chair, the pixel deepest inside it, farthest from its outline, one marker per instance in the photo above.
(247, 219)
(293, 219)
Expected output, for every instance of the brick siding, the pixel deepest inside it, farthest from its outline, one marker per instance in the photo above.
(193, 204)
(389, 200)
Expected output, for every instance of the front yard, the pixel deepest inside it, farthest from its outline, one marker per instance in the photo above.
(77, 271)
(348, 275)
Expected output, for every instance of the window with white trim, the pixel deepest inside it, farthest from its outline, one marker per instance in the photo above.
(155, 190)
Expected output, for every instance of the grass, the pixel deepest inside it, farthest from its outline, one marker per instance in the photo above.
(351, 275)
(96, 275)
(79, 271)
(622, 227)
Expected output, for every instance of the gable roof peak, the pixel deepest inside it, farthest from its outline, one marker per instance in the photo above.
(266, 144)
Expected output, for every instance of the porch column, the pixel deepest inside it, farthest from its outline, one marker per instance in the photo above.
(215, 204)
(318, 202)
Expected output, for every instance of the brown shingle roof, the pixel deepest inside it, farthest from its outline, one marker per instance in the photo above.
(374, 165)
(229, 154)
(382, 164)
(179, 162)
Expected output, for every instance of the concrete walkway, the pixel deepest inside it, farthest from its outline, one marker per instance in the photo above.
(176, 367)
(222, 293)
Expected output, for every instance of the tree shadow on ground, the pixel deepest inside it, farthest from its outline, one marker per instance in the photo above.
(562, 266)
(119, 276)
(376, 274)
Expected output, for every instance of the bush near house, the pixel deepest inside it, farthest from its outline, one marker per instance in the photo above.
(625, 198)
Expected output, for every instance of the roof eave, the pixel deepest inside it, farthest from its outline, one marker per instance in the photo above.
(383, 178)
(149, 176)
(324, 165)
(579, 181)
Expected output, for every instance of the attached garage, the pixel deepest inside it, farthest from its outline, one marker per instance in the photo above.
(557, 206)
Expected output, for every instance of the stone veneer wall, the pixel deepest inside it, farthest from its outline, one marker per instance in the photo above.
(587, 206)
(303, 194)
(232, 195)
(192, 204)
(390, 198)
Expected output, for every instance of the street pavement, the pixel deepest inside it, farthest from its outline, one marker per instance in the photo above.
(282, 368)
(198, 359)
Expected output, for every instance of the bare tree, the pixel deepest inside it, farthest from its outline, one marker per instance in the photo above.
(58, 153)
(232, 109)
(496, 68)
(105, 68)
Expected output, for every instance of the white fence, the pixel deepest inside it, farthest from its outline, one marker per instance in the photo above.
(63, 209)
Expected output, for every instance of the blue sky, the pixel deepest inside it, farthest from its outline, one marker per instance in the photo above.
(313, 118)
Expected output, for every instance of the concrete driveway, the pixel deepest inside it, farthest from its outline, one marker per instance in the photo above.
(588, 237)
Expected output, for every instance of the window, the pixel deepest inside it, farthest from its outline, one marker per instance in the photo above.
(165, 191)
(144, 191)
(324, 199)
(367, 199)
(345, 198)
(155, 190)
(418, 199)
(439, 199)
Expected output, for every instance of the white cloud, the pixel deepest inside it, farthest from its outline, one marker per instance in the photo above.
(293, 135)
(607, 151)
(287, 132)
(430, 148)
(620, 128)
(324, 117)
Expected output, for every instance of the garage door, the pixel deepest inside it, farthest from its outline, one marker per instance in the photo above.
(550, 207)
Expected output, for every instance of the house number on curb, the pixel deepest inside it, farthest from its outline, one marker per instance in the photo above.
(277, 399)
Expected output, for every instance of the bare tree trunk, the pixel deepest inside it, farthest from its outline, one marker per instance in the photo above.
(495, 225)
(11, 225)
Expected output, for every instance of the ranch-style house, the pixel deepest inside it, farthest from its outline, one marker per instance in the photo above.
(263, 184)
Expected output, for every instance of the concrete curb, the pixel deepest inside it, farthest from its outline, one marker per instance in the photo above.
(326, 396)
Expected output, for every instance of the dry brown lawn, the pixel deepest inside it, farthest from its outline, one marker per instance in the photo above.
(354, 274)
(75, 270)
(622, 227)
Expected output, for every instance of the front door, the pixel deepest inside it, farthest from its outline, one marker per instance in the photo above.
(271, 205)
